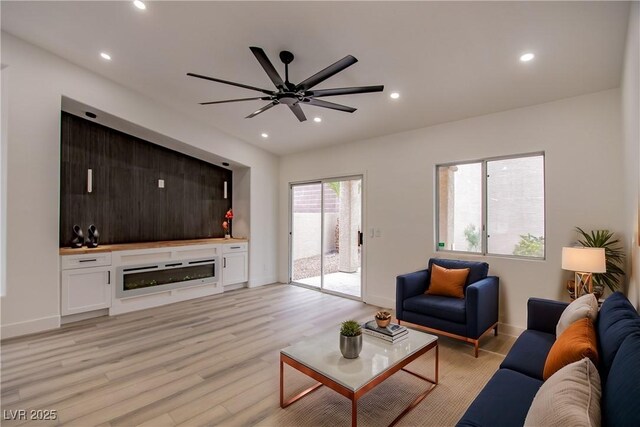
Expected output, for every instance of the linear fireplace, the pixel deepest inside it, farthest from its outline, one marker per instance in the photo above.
(158, 277)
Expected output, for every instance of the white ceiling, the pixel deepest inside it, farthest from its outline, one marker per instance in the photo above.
(449, 60)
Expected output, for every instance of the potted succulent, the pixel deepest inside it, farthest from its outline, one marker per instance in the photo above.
(383, 318)
(350, 339)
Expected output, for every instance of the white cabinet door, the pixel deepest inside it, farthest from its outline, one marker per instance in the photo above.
(86, 289)
(235, 268)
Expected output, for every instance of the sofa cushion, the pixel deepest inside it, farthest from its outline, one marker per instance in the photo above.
(447, 282)
(621, 391)
(477, 270)
(503, 402)
(585, 306)
(529, 353)
(617, 320)
(453, 309)
(570, 397)
(576, 342)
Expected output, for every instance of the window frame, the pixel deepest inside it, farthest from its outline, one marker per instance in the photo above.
(484, 206)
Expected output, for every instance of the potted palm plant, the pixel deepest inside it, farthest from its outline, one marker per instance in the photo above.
(614, 256)
(350, 339)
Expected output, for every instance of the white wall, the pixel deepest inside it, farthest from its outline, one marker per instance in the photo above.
(582, 140)
(38, 82)
(631, 131)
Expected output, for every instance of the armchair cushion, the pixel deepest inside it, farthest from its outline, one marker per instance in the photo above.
(447, 282)
(477, 270)
(446, 308)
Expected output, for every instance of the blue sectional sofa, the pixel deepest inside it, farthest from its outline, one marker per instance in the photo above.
(467, 318)
(506, 398)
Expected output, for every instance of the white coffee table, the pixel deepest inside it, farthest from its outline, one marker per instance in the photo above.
(319, 357)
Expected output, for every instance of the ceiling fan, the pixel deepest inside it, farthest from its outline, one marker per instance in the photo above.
(293, 95)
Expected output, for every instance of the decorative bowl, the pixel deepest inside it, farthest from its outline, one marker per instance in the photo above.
(383, 323)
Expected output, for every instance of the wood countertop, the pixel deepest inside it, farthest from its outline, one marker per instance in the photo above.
(147, 245)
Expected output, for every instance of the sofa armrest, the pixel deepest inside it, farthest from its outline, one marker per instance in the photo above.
(410, 285)
(543, 314)
(482, 305)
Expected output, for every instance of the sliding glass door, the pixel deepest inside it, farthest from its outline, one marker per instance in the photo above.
(326, 235)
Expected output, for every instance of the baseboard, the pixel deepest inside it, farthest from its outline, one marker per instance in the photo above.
(510, 330)
(234, 287)
(83, 316)
(380, 301)
(261, 281)
(29, 327)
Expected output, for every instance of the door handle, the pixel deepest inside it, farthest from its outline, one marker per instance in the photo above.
(224, 262)
(108, 277)
(360, 238)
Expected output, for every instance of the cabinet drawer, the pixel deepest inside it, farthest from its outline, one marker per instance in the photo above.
(234, 247)
(69, 262)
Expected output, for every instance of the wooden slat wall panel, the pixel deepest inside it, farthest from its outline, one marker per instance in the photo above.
(126, 204)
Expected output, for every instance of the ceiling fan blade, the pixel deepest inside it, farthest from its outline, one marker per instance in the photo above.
(344, 91)
(331, 105)
(323, 75)
(268, 66)
(268, 92)
(234, 100)
(297, 110)
(260, 111)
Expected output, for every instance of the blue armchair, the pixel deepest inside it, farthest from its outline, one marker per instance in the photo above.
(466, 319)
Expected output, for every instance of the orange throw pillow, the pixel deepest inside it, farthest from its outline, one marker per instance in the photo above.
(447, 282)
(575, 343)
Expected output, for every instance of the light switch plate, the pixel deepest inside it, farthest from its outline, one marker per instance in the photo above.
(161, 183)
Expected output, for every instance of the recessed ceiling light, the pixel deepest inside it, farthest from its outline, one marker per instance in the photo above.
(527, 57)
(105, 55)
(264, 135)
(140, 5)
(394, 95)
(317, 119)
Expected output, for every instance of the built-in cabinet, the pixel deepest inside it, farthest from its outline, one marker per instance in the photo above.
(89, 281)
(85, 283)
(235, 264)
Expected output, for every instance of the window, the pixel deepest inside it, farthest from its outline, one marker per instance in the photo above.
(492, 206)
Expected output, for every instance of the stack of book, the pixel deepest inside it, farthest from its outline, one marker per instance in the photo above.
(392, 333)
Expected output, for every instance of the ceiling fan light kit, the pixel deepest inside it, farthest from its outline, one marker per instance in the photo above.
(293, 95)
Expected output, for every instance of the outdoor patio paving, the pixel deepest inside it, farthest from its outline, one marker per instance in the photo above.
(307, 271)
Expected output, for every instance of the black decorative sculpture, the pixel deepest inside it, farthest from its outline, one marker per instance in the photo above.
(78, 237)
(92, 237)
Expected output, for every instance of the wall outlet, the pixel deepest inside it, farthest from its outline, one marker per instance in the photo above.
(378, 233)
(161, 183)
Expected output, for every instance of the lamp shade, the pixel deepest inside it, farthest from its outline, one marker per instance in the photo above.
(587, 260)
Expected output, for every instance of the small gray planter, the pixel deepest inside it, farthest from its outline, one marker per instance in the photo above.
(350, 347)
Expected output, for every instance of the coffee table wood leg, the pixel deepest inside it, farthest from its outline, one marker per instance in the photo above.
(283, 403)
(354, 412)
(424, 394)
(437, 363)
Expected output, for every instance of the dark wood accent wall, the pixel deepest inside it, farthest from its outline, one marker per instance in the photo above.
(126, 204)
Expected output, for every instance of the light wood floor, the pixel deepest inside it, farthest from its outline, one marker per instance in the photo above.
(203, 362)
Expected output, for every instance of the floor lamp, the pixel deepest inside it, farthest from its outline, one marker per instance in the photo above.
(585, 262)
